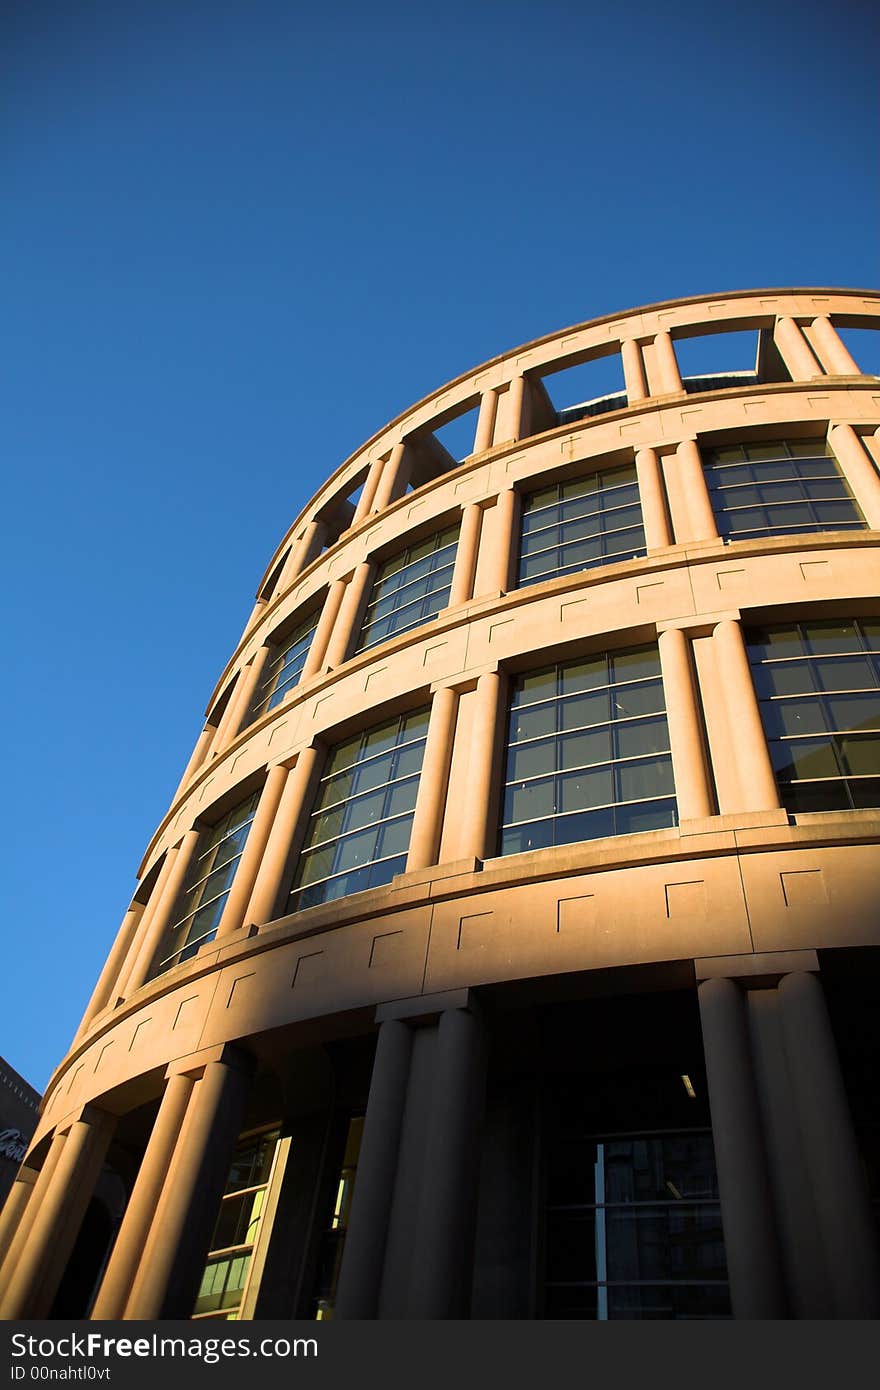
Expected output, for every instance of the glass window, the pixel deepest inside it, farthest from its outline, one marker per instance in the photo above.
(588, 752)
(238, 1224)
(637, 1232)
(336, 1224)
(818, 686)
(772, 489)
(574, 526)
(358, 833)
(284, 667)
(208, 884)
(411, 588)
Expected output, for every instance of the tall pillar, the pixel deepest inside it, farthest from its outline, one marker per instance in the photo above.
(447, 1209)
(153, 930)
(9, 1256)
(701, 518)
(347, 629)
(831, 1155)
(830, 349)
(859, 471)
(747, 740)
(757, 1286)
(222, 736)
(245, 877)
(655, 515)
(323, 630)
(634, 376)
(199, 753)
(478, 813)
(795, 351)
(462, 587)
(516, 405)
(668, 375)
(129, 1244)
(689, 765)
(14, 1208)
(59, 1208)
(427, 826)
(485, 435)
(499, 543)
(104, 988)
(303, 551)
(395, 476)
(285, 835)
(242, 697)
(368, 493)
(363, 1257)
(173, 1254)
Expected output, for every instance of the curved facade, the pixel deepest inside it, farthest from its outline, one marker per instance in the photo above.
(510, 946)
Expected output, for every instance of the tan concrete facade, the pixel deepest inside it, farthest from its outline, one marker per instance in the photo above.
(742, 893)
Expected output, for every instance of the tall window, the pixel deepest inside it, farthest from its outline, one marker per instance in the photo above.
(818, 684)
(284, 667)
(333, 1237)
(210, 878)
(228, 1266)
(573, 526)
(791, 485)
(588, 752)
(411, 588)
(358, 834)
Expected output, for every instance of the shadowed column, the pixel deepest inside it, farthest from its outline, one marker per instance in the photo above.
(843, 1208)
(364, 1253)
(753, 1258)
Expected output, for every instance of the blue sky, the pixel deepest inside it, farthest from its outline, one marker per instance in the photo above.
(237, 238)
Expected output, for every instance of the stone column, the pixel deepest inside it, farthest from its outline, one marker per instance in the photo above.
(794, 350)
(462, 587)
(153, 930)
(683, 715)
(757, 1285)
(103, 990)
(394, 479)
(427, 826)
(347, 630)
(831, 1155)
(59, 1208)
(245, 877)
(363, 1257)
(173, 1254)
(447, 1209)
(368, 493)
(28, 1204)
(486, 422)
(859, 471)
(701, 518)
(15, 1207)
(668, 375)
(242, 697)
(323, 630)
(747, 742)
(634, 376)
(303, 551)
(828, 346)
(129, 1244)
(516, 409)
(199, 753)
(655, 514)
(478, 815)
(286, 834)
(222, 736)
(499, 543)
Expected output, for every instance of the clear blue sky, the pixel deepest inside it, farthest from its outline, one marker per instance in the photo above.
(237, 238)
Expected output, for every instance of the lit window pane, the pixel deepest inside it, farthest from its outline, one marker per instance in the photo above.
(589, 755)
(373, 818)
